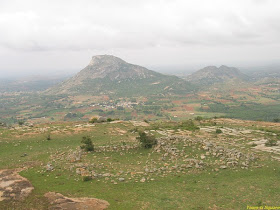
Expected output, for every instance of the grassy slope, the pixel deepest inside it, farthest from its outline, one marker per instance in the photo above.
(137, 87)
(226, 189)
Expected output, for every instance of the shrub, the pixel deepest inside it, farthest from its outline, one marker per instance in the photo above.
(93, 120)
(20, 122)
(271, 143)
(87, 178)
(120, 108)
(218, 131)
(276, 120)
(147, 141)
(49, 136)
(87, 144)
(109, 120)
(198, 118)
(187, 125)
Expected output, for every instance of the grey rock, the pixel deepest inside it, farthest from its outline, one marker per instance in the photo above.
(49, 167)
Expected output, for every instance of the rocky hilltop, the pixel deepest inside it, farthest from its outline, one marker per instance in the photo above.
(213, 74)
(107, 74)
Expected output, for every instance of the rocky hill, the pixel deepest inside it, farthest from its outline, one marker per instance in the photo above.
(110, 75)
(213, 74)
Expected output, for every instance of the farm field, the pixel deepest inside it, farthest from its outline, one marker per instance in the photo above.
(247, 101)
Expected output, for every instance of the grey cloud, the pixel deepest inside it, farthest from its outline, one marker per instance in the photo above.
(123, 26)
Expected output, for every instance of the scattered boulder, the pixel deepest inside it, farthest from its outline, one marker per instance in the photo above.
(49, 167)
(143, 179)
(121, 179)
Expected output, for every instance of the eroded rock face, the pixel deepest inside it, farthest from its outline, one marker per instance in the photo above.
(58, 201)
(13, 186)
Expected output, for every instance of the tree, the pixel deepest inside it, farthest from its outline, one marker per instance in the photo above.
(87, 144)
(147, 141)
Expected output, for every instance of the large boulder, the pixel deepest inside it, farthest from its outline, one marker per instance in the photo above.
(13, 186)
(58, 201)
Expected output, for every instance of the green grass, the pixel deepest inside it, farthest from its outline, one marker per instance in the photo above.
(193, 189)
(225, 189)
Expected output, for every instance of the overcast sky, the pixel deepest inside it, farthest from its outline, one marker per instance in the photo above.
(48, 36)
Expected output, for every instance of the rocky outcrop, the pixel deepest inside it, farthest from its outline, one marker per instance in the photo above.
(58, 201)
(13, 186)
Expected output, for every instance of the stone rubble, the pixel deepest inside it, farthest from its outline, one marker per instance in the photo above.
(177, 154)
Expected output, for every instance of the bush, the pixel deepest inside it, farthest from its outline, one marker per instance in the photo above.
(198, 118)
(187, 125)
(147, 141)
(218, 131)
(87, 144)
(271, 143)
(109, 120)
(49, 136)
(93, 120)
(87, 178)
(20, 122)
(120, 108)
(276, 120)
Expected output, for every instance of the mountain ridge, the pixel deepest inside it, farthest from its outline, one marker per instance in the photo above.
(213, 74)
(107, 74)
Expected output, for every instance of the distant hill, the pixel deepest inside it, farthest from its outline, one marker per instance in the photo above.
(110, 75)
(212, 74)
(29, 84)
(268, 76)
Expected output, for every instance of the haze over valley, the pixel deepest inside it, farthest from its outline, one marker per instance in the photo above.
(139, 104)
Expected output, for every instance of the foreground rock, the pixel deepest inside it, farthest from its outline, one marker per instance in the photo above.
(58, 201)
(13, 186)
